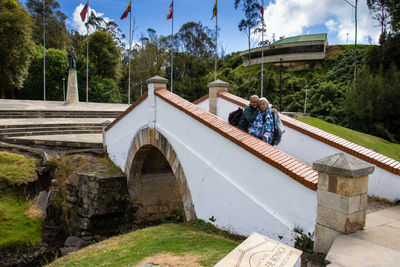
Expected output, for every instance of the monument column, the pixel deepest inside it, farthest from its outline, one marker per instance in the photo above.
(342, 198)
(213, 88)
(72, 87)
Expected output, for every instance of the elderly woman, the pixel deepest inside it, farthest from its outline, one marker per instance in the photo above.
(263, 125)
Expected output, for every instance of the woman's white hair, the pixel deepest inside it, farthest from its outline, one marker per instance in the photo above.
(264, 99)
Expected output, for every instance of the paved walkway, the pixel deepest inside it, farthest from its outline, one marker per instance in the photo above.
(36, 121)
(12, 104)
(377, 245)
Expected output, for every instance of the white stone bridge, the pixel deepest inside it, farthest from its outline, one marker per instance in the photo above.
(179, 156)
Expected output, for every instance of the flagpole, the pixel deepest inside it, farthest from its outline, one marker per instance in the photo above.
(216, 43)
(262, 50)
(129, 56)
(44, 50)
(87, 63)
(172, 52)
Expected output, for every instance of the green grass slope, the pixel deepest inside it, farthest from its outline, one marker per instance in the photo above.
(16, 227)
(172, 239)
(383, 146)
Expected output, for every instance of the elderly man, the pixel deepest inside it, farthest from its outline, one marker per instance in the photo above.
(249, 114)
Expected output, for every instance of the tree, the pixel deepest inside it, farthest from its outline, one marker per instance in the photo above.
(380, 13)
(250, 9)
(196, 39)
(16, 46)
(104, 55)
(56, 70)
(57, 35)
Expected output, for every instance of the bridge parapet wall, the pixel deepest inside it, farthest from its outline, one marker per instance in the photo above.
(300, 137)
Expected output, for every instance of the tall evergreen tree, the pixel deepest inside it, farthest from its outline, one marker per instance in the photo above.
(57, 35)
(16, 46)
(250, 9)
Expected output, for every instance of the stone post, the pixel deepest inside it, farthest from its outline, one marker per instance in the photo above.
(153, 84)
(342, 198)
(72, 88)
(213, 88)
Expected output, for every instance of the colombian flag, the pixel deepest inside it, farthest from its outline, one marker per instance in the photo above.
(127, 10)
(262, 8)
(214, 10)
(85, 11)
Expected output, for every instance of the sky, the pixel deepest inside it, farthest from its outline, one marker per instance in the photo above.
(282, 18)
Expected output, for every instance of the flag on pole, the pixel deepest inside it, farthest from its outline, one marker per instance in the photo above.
(262, 8)
(170, 10)
(127, 10)
(214, 10)
(85, 11)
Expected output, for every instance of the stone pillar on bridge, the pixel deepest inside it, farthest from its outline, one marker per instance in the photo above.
(342, 198)
(154, 83)
(213, 88)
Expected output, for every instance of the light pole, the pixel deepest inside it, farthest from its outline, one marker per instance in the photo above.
(305, 101)
(64, 88)
(280, 87)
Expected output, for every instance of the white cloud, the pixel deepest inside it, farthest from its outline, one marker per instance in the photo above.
(295, 17)
(77, 23)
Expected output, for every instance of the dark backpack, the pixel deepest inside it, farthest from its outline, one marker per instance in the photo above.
(234, 116)
(278, 130)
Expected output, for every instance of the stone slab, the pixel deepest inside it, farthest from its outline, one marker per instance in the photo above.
(324, 238)
(343, 204)
(340, 222)
(342, 164)
(348, 186)
(258, 250)
(386, 216)
(348, 251)
(385, 236)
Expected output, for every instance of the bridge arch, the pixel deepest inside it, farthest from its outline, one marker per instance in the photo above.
(156, 180)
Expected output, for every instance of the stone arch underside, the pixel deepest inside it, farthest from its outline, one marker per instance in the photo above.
(156, 180)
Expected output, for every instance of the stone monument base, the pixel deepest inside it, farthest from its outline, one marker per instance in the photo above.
(72, 89)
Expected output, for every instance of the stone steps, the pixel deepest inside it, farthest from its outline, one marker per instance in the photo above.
(56, 144)
(11, 127)
(41, 131)
(18, 114)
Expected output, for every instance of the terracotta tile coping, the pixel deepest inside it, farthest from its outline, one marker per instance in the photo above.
(123, 114)
(201, 99)
(358, 151)
(302, 172)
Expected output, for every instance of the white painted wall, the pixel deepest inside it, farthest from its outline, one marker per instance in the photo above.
(242, 192)
(382, 183)
(225, 107)
(204, 104)
(118, 138)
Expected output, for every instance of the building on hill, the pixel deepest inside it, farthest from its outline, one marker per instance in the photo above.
(297, 52)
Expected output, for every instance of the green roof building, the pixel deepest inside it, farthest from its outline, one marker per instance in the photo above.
(296, 52)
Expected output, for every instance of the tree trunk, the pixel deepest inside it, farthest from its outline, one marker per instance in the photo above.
(248, 91)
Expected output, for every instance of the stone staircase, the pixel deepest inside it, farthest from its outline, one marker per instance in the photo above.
(55, 126)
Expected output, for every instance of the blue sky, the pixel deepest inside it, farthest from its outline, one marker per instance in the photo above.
(282, 18)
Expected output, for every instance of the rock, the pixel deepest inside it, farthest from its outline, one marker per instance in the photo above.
(41, 202)
(76, 242)
(67, 250)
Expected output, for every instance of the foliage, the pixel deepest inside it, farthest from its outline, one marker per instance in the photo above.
(130, 249)
(372, 142)
(103, 90)
(104, 55)
(56, 31)
(16, 228)
(56, 71)
(16, 47)
(17, 169)
(373, 106)
(196, 40)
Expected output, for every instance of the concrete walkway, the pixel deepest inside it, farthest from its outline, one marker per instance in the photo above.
(14, 104)
(377, 245)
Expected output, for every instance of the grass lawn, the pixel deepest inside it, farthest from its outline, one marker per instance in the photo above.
(383, 146)
(17, 169)
(16, 228)
(171, 239)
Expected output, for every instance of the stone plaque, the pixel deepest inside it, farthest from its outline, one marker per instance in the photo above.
(258, 250)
